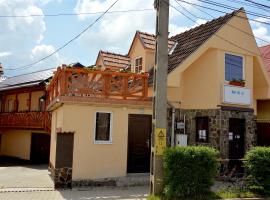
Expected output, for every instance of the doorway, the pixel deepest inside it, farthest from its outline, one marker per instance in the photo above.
(237, 128)
(40, 148)
(139, 146)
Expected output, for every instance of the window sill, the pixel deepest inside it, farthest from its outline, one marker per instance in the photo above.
(102, 142)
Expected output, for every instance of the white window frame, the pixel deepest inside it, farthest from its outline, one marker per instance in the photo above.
(135, 63)
(111, 128)
(244, 64)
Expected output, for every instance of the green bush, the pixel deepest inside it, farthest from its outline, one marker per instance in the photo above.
(257, 166)
(189, 171)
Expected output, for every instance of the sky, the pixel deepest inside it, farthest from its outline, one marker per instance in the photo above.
(24, 40)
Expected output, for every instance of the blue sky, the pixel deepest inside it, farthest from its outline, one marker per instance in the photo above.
(26, 40)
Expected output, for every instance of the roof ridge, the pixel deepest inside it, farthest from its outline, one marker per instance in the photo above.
(113, 53)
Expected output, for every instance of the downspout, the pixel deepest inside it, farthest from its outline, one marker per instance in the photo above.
(173, 124)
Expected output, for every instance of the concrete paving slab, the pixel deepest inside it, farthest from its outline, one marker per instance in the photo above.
(26, 176)
(99, 193)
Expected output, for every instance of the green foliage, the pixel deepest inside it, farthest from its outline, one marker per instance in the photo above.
(152, 197)
(235, 193)
(189, 171)
(257, 166)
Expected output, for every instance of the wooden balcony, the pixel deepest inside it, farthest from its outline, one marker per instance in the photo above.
(26, 120)
(80, 84)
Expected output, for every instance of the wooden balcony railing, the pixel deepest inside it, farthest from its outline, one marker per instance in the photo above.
(83, 82)
(26, 120)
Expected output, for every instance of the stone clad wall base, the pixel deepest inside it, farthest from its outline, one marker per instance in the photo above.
(94, 183)
(218, 127)
(63, 177)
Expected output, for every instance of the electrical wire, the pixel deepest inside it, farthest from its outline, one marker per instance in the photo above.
(66, 44)
(74, 14)
(216, 10)
(220, 37)
(251, 35)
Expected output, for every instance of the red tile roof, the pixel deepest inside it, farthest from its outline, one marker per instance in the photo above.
(265, 52)
(149, 40)
(114, 60)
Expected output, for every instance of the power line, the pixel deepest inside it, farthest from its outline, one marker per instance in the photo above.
(74, 14)
(217, 34)
(260, 5)
(244, 3)
(220, 11)
(234, 8)
(251, 35)
(66, 44)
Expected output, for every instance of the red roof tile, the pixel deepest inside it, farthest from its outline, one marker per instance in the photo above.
(149, 40)
(114, 60)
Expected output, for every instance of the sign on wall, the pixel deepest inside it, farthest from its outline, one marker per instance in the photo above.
(236, 95)
(160, 140)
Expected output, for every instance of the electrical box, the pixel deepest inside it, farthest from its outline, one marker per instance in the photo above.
(181, 140)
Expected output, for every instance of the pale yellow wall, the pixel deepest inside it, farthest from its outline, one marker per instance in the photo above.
(16, 143)
(137, 51)
(149, 60)
(35, 96)
(57, 122)
(93, 161)
(9, 97)
(23, 99)
(198, 81)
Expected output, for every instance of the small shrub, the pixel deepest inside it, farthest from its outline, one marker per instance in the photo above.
(189, 171)
(257, 166)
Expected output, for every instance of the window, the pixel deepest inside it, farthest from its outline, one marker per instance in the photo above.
(202, 129)
(233, 67)
(138, 65)
(103, 127)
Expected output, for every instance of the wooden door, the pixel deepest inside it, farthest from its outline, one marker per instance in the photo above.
(263, 134)
(139, 147)
(40, 148)
(236, 138)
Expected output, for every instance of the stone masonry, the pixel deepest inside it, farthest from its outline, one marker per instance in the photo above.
(218, 127)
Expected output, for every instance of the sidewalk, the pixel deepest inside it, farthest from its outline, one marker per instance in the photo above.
(99, 193)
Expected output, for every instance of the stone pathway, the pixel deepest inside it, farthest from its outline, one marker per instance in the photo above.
(99, 193)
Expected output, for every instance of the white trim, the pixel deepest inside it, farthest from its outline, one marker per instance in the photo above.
(111, 127)
(244, 65)
(135, 63)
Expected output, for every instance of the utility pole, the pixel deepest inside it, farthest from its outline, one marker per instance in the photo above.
(159, 96)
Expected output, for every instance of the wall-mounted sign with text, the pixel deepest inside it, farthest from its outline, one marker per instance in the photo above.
(236, 95)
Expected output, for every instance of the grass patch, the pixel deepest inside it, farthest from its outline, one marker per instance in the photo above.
(234, 193)
(152, 197)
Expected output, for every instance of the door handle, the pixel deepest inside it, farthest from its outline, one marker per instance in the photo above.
(148, 143)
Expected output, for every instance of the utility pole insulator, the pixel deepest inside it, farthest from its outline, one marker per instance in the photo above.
(159, 120)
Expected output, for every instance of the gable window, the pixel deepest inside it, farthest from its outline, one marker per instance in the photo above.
(103, 127)
(138, 65)
(233, 67)
(202, 129)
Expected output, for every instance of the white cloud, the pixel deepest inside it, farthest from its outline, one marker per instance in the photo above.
(174, 29)
(261, 31)
(5, 54)
(21, 37)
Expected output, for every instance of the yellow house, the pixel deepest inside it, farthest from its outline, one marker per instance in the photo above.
(24, 123)
(101, 126)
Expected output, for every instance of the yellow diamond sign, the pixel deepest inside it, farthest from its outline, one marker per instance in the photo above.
(160, 141)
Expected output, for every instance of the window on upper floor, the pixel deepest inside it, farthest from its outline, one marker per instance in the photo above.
(234, 69)
(103, 127)
(138, 65)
